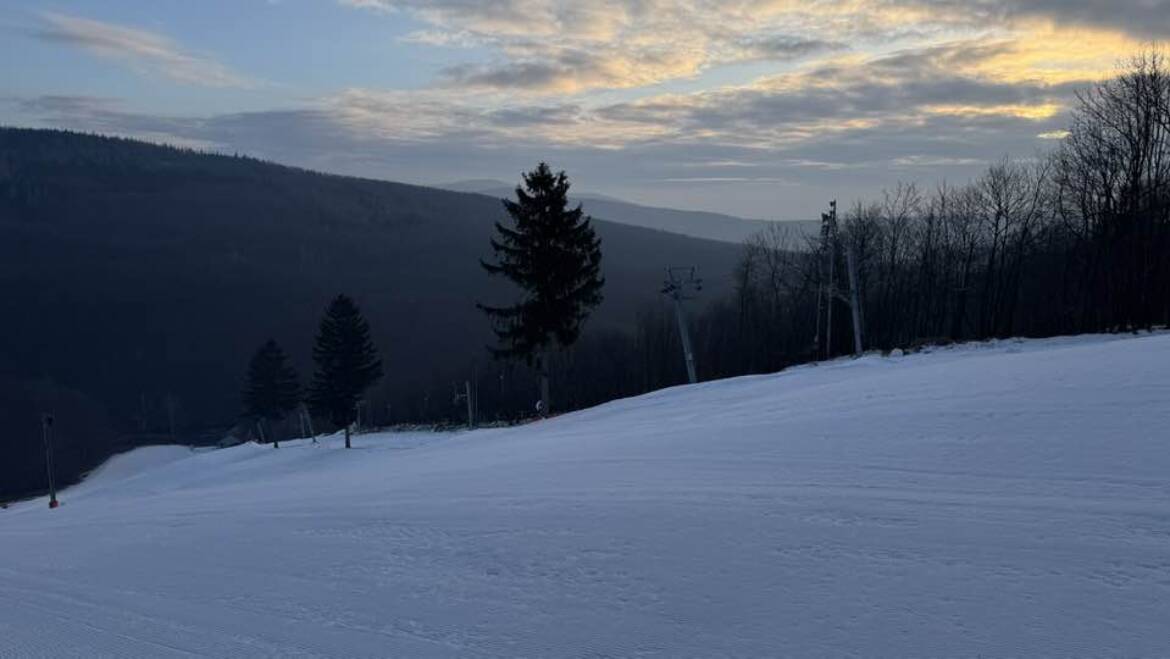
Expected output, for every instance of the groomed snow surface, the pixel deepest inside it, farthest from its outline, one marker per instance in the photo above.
(996, 500)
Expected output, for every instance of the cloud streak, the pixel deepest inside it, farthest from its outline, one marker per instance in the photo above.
(142, 50)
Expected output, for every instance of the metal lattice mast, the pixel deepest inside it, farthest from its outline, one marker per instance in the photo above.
(828, 291)
(829, 237)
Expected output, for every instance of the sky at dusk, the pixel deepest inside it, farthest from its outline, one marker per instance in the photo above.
(762, 108)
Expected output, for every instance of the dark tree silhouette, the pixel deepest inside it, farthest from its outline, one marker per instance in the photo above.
(553, 255)
(347, 363)
(271, 390)
(1113, 178)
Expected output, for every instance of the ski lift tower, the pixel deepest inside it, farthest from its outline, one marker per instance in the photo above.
(682, 285)
(828, 293)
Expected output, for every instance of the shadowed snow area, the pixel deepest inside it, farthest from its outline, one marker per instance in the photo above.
(1004, 499)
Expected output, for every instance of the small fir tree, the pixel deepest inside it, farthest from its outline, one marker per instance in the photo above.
(347, 364)
(271, 390)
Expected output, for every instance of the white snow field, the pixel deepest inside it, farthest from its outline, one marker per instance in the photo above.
(995, 500)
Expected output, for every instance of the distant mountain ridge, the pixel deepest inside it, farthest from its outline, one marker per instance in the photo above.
(696, 224)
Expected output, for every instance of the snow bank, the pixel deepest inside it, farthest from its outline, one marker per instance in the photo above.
(1003, 499)
(124, 466)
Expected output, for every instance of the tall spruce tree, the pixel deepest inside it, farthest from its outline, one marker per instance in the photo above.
(271, 390)
(347, 364)
(553, 255)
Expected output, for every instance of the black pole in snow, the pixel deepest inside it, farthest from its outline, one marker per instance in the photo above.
(47, 435)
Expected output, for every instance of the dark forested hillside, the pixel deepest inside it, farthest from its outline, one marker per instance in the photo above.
(136, 280)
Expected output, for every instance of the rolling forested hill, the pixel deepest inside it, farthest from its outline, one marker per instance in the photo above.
(136, 279)
(697, 224)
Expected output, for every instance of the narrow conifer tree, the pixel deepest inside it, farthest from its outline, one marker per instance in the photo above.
(271, 390)
(551, 252)
(347, 364)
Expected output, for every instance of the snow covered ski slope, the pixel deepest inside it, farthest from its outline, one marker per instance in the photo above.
(1001, 500)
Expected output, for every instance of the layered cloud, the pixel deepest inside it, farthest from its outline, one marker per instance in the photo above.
(1149, 19)
(843, 94)
(571, 47)
(574, 46)
(846, 102)
(663, 99)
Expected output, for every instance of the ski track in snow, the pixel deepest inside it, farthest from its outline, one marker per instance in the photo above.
(997, 500)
